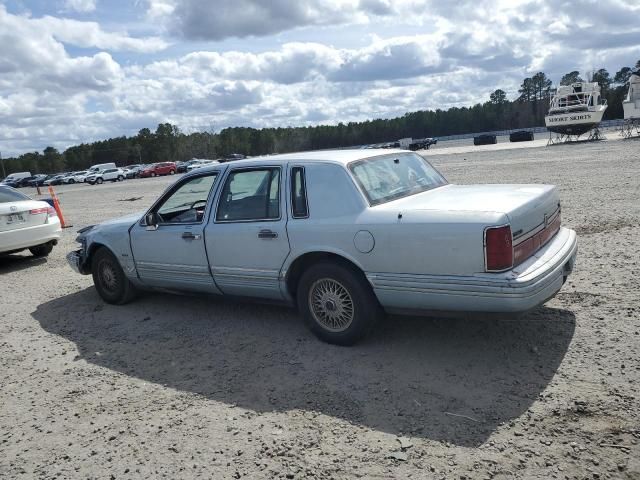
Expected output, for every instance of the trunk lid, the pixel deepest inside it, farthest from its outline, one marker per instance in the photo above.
(528, 207)
(16, 215)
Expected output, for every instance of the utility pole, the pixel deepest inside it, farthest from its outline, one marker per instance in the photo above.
(2, 163)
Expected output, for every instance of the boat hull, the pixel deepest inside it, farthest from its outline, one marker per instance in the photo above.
(576, 123)
(631, 109)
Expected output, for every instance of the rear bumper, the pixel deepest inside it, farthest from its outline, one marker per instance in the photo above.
(22, 238)
(523, 288)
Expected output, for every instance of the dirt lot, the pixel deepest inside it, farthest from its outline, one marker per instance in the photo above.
(188, 387)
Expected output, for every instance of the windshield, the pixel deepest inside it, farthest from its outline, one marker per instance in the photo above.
(390, 177)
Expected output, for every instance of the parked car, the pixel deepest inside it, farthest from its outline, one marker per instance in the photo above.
(344, 235)
(13, 179)
(75, 177)
(201, 163)
(521, 136)
(485, 139)
(100, 166)
(423, 144)
(24, 182)
(181, 167)
(26, 223)
(55, 179)
(234, 156)
(157, 169)
(108, 175)
(37, 180)
(132, 171)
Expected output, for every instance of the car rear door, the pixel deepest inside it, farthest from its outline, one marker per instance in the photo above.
(173, 255)
(247, 238)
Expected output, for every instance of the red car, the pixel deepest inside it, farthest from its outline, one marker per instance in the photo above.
(162, 168)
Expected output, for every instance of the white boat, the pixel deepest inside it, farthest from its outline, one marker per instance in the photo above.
(575, 109)
(631, 104)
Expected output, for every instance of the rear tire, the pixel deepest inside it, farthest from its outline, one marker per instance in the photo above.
(41, 250)
(111, 283)
(172, 172)
(153, 174)
(71, 180)
(337, 303)
(120, 178)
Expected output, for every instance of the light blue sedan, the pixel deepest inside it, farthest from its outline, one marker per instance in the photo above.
(344, 235)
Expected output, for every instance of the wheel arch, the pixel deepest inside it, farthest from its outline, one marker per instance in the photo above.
(91, 251)
(305, 260)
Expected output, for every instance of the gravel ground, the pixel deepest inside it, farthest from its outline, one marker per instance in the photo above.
(189, 387)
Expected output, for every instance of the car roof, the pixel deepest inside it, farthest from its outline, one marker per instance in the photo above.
(342, 157)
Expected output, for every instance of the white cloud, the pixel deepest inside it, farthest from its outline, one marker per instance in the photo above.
(392, 57)
(82, 6)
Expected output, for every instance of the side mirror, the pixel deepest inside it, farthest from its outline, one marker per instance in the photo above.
(151, 221)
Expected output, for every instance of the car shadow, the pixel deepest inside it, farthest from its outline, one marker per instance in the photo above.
(16, 262)
(450, 380)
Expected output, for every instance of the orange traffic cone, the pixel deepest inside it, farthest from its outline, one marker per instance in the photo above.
(56, 206)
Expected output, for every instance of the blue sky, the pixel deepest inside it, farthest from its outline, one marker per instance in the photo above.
(75, 71)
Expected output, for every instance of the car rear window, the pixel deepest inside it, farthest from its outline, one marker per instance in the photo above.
(394, 176)
(10, 195)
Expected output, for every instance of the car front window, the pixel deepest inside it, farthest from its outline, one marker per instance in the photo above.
(390, 177)
(187, 203)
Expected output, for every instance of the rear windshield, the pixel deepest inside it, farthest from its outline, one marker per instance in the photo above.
(390, 177)
(10, 195)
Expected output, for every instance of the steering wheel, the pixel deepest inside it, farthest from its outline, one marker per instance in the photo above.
(199, 211)
(197, 202)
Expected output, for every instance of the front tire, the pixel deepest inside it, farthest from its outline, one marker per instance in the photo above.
(172, 172)
(111, 283)
(120, 178)
(153, 174)
(41, 250)
(99, 181)
(72, 181)
(337, 303)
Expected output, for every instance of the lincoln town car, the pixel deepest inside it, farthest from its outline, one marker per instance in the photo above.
(344, 236)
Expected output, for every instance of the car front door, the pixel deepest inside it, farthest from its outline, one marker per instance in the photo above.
(247, 236)
(171, 253)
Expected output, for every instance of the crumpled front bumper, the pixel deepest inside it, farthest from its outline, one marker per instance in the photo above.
(76, 261)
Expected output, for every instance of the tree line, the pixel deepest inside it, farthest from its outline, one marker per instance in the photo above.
(168, 143)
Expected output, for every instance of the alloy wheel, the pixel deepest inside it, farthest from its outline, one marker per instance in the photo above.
(331, 304)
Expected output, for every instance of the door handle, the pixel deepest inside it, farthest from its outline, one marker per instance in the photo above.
(190, 236)
(266, 233)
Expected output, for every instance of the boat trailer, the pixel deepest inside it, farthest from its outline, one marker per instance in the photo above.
(630, 128)
(560, 138)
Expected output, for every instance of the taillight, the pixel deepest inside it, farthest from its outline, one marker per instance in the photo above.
(498, 249)
(38, 211)
(50, 211)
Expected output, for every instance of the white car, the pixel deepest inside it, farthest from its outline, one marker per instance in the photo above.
(110, 174)
(26, 223)
(75, 177)
(200, 164)
(344, 235)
